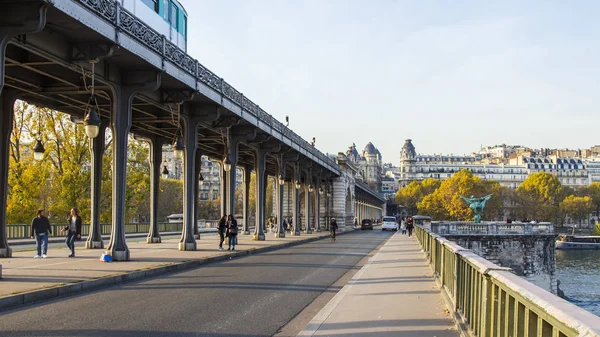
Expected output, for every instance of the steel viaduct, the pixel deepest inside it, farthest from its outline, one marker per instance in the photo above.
(53, 53)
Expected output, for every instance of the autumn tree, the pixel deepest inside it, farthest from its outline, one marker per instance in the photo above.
(578, 208)
(445, 202)
(539, 197)
(414, 192)
(593, 191)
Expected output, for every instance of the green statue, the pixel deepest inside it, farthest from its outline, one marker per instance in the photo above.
(477, 205)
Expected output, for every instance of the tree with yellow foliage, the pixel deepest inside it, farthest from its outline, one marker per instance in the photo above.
(578, 208)
(445, 203)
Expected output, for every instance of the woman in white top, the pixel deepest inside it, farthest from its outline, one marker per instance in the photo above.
(403, 226)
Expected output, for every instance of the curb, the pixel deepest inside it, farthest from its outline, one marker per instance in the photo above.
(76, 287)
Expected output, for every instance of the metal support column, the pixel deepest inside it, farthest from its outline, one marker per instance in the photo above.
(318, 205)
(7, 103)
(121, 124)
(247, 172)
(296, 201)
(97, 147)
(197, 171)
(307, 203)
(223, 189)
(259, 170)
(187, 241)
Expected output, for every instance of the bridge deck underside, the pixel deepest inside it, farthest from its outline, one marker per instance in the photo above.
(47, 68)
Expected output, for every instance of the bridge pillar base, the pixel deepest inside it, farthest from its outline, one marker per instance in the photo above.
(5, 252)
(309, 231)
(295, 234)
(280, 235)
(197, 236)
(187, 246)
(153, 239)
(258, 237)
(119, 255)
(94, 244)
(246, 233)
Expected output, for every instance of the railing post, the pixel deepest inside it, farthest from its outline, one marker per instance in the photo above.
(487, 301)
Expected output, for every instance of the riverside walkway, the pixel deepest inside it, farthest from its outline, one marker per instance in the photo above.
(394, 294)
(26, 279)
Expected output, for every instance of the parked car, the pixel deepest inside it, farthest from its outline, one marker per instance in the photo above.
(389, 223)
(366, 224)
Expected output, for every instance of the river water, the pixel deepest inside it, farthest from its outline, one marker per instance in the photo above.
(579, 274)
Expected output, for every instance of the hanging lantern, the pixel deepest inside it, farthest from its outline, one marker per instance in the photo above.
(227, 163)
(281, 180)
(91, 121)
(178, 148)
(321, 191)
(310, 188)
(38, 150)
(297, 185)
(165, 172)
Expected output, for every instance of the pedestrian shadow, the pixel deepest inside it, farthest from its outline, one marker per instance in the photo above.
(411, 292)
(237, 286)
(395, 280)
(398, 261)
(404, 323)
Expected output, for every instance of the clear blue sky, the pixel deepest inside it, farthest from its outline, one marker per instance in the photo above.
(451, 75)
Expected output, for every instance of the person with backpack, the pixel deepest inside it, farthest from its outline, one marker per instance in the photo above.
(333, 226)
(40, 228)
(232, 231)
(221, 230)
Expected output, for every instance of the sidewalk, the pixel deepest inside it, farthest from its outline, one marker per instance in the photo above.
(26, 279)
(394, 294)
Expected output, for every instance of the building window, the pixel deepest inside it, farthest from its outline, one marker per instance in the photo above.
(184, 27)
(153, 4)
(173, 15)
(165, 10)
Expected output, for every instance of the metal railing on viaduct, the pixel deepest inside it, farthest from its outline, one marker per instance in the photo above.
(489, 300)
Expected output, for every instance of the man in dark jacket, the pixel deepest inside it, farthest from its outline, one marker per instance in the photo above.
(333, 226)
(40, 228)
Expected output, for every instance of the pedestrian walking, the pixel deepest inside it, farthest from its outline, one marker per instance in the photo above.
(232, 231)
(73, 230)
(403, 225)
(40, 228)
(332, 228)
(221, 227)
(355, 223)
(410, 226)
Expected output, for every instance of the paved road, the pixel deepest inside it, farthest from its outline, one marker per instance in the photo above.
(250, 296)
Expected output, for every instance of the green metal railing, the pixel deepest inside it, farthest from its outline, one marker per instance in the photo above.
(489, 300)
(23, 231)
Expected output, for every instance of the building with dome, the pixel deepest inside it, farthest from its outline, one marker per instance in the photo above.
(369, 163)
(415, 167)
